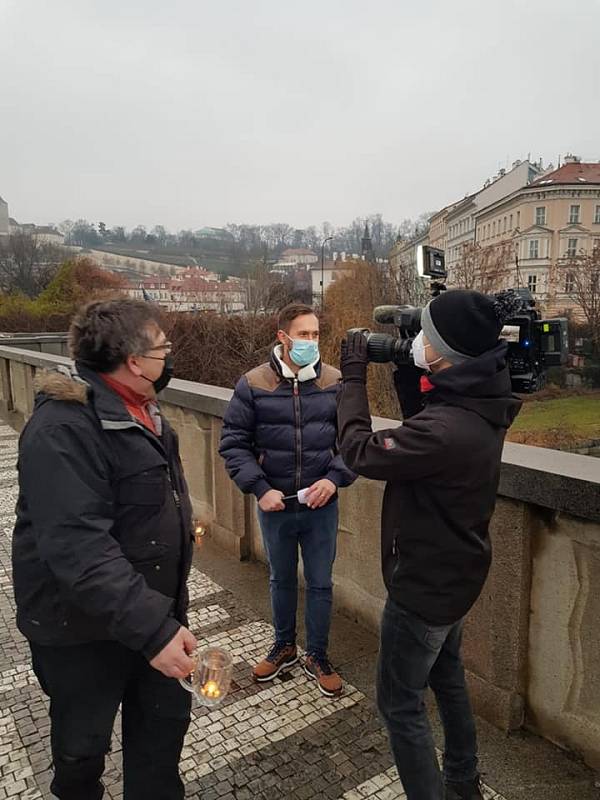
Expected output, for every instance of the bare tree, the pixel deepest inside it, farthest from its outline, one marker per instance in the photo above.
(409, 288)
(27, 265)
(581, 282)
(486, 269)
(266, 292)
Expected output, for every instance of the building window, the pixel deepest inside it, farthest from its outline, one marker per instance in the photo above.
(540, 215)
(574, 214)
(510, 222)
(569, 282)
(518, 219)
(504, 226)
(494, 229)
(572, 248)
(534, 248)
(597, 217)
(532, 283)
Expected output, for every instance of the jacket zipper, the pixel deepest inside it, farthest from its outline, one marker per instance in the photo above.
(173, 489)
(298, 433)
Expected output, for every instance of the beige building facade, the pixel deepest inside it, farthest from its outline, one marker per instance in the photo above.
(403, 255)
(461, 219)
(543, 226)
(332, 271)
(454, 226)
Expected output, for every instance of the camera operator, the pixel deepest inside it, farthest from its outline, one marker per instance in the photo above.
(442, 469)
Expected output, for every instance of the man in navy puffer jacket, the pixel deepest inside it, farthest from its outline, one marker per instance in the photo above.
(280, 436)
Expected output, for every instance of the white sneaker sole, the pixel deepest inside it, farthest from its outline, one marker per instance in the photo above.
(281, 668)
(321, 689)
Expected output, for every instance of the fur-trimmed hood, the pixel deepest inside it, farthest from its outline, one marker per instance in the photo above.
(61, 384)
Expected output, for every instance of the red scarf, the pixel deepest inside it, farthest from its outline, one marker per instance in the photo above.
(426, 384)
(135, 403)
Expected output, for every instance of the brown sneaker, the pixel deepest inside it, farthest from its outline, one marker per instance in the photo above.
(319, 669)
(281, 656)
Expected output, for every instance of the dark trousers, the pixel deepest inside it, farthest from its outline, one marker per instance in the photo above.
(315, 532)
(414, 655)
(86, 684)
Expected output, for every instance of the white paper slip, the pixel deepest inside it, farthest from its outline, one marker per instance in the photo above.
(302, 496)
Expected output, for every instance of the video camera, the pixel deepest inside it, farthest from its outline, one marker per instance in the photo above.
(534, 344)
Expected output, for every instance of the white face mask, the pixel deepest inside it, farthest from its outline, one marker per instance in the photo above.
(418, 353)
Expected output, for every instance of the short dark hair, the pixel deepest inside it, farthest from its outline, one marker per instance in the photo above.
(105, 332)
(289, 313)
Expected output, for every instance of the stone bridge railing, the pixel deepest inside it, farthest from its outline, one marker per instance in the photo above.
(532, 642)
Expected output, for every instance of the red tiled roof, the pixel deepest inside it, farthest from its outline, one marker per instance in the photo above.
(576, 173)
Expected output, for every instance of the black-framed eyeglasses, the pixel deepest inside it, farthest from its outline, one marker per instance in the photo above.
(163, 346)
(167, 346)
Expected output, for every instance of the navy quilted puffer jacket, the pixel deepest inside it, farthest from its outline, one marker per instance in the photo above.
(281, 433)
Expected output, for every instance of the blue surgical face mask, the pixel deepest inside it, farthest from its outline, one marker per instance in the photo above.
(303, 351)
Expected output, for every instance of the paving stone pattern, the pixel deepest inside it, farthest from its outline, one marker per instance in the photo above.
(279, 740)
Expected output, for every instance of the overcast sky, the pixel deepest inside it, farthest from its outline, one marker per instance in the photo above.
(190, 113)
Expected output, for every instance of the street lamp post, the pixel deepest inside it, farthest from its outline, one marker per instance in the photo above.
(328, 239)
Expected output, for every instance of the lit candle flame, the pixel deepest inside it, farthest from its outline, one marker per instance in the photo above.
(211, 690)
(200, 530)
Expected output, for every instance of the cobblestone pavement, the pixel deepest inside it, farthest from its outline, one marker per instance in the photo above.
(280, 740)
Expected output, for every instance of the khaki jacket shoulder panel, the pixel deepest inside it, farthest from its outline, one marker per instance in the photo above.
(328, 377)
(263, 377)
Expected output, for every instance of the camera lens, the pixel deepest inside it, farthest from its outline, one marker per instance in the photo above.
(380, 347)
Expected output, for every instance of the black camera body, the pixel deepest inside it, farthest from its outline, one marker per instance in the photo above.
(534, 344)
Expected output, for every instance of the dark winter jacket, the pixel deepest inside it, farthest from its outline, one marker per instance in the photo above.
(280, 432)
(442, 468)
(103, 540)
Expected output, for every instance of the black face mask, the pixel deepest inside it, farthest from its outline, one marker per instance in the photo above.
(165, 376)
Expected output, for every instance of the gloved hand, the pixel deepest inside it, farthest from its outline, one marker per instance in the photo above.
(354, 360)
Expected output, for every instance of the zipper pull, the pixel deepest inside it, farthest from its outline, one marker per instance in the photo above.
(173, 489)
(394, 547)
(295, 387)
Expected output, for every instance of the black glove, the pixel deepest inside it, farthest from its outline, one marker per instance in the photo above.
(354, 359)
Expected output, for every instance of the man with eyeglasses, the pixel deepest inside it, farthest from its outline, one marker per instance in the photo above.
(102, 549)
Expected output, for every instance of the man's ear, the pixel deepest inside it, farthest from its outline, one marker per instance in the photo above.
(283, 338)
(132, 364)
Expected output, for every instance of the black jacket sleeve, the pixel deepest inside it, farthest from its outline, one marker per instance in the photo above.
(70, 499)
(407, 382)
(411, 451)
(339, 473)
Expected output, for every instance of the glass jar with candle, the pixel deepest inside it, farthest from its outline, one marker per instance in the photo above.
(211, 679)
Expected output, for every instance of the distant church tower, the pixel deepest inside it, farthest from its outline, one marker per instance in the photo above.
(4, 223)
(366, 245)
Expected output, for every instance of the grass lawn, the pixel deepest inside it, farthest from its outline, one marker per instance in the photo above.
(561, 422)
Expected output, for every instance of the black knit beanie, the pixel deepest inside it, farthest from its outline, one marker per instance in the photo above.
(462, 324)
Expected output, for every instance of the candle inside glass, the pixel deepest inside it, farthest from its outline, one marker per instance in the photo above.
(211, 690)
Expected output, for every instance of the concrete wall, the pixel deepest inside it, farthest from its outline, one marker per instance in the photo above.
(55, 344)
(532, 646)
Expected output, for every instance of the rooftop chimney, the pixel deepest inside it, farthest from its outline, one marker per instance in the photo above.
(571, 159)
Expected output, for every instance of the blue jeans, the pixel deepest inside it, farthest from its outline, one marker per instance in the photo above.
(413, 655)
(316, 533)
